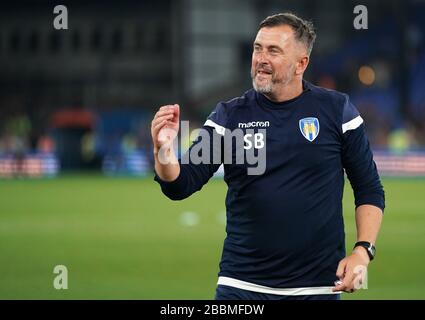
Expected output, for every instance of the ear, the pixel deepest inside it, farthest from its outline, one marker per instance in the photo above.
(302, 65)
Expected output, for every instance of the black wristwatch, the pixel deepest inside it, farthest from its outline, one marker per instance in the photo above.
(370, 248)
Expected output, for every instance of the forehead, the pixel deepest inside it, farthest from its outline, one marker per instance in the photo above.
(279, 35)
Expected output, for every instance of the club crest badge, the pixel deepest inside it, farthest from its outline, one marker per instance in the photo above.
(309, 128)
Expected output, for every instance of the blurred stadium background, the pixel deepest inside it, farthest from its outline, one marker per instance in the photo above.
(76, 182)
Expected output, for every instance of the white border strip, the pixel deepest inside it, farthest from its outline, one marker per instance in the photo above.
(217, 127)
(352, 124)
(279, 291)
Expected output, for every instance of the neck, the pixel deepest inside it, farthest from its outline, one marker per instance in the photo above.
(287, 92)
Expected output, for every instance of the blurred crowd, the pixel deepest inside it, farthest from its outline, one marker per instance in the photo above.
(19, 137)
(382, 70)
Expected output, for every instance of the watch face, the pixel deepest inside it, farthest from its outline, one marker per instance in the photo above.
(372, 250)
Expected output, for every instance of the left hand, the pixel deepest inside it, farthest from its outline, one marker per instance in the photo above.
(352, 271)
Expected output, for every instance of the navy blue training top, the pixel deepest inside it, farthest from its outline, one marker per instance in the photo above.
(285, 227)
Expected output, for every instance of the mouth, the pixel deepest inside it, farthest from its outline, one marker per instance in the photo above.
(263, 72)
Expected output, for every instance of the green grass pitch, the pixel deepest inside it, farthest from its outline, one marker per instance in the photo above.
(120, 238)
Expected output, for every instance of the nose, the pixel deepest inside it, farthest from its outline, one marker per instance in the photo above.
(261, 58)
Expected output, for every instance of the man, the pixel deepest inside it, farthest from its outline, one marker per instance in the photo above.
(285, 230)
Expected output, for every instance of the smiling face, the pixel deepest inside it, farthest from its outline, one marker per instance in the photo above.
(278, 60)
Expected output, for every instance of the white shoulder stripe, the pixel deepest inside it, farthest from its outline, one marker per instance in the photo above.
(279, 291)
(217, 127)
(352, 124)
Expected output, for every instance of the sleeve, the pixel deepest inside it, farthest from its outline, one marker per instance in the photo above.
(217, 119)
(201, 161)
(357, 159)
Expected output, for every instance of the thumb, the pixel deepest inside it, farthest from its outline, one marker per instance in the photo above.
(177, 111)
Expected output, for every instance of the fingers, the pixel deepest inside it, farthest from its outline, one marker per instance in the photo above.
(341, 274)
(161, 118)
(172, 108)
(166, 117)
(352, 272)
(341, 269)
(339, 286)
(158, 123)
(164, 112)
(176, 112)
(157, 127)
(346, 283)
(342, 287)
(171, 112)
(167, 112)
(167, 107)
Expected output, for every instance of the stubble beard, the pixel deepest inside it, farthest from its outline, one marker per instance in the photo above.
(271, 83)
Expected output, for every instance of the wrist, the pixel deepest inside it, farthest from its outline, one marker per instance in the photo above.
(362, 252)
(165, 156)
(366, 247)
(164, 150)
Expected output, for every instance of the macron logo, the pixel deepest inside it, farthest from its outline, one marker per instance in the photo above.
(254, 124)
